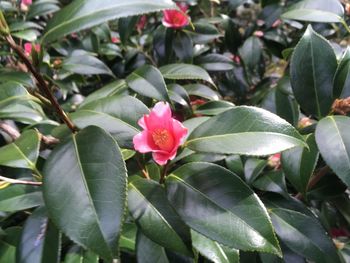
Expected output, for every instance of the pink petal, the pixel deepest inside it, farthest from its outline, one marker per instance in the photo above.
(159, 117)
(162, 158)
(142, 123)
(143, 142)
(28, 48)
(179, 132)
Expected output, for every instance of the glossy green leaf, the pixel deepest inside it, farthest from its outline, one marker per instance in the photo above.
(312, 70)
(299, 164)
(214, 107)
(149, 207)
(15, 76)
(42, 8)
(149, 82)
(85, 190)
(19, 197)
(213, 202)
(76, 254)
(333, 141)
(203, 91)
(244, 130)
(215, 62)
(272, 181)
(185, 71)
(234, 164)
(213, 251)
(251, 52)
(128, 237)
(40, 240)
(149, 252)
(316, 11)
(304, 235)
(22, 153)
(182, 46)
(342, 77)
(82, 14)
(252, 169)
(116, 114)
(111, 89)
(85, 65)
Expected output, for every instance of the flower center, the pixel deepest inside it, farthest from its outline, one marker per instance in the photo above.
(163, 139)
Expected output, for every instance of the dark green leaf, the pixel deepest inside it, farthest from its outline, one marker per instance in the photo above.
(214, 107)
(251, 52)
(117, 114)
(19, 197)
(149, 252)
(86, 65)
(252, 169)
(213, 202)
(183, 46)
(85, 190)
(313, 66)
(316, 11)
(149, 82)
(299, 164)
(244, 130)
(272, 182)
(185, 71)
(342, 77)
(149, 207)
(82, 14)
(213, 250)
(333, 141)
(40, 240)
(215, 62)
(23, 152)
(201, 90)
(126, 26)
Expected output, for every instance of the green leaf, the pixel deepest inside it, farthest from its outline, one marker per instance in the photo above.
(128, 237)
(327, 11)
(244, 130)
(342, 77)
(185, 71)
(214, 107)
(304, 235)
(82, 14)
(203, 91)
(313, 66)
(22, 153)
(213, 201)
(113, 88)
(252, 169)
(117, 114)
(76, 254)
(85, 190)
(40, 240)
(86, 65)
(215, 62)
(149, 252)
(333, 141)
(42, 8)
(272, 181)
(149, 207)
(125, 27)
(20, 197)
(251, 52)
(149, 82)
(213, 250)
(299, 164)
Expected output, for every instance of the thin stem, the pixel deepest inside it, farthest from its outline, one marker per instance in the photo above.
(164, 173)
(315, 179)
(44, 88)
(15, 181)
(343, 22)
(144, 172)
(8, 129)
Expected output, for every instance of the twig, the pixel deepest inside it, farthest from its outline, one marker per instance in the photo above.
(144, 172)
(164, 173)
(8, 129)
(15, 181)
(315, 179)
(41, 83)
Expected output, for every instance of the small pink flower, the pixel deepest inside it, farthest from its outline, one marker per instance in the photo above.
(27, 2)
(274, 161)
(28, 48)
(259, 33)
(115, 40)
(176, 19)
(276, 23)
(141, 23)
(162, 134)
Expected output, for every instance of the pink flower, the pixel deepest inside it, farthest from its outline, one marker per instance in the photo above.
(162, 134)
(28, 48)
(115, 40)
(274, 161)
(27, 2)
(141, 23)
(176, 19)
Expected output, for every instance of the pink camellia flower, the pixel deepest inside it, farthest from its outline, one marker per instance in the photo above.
(274, 161)
(27, 2)
(29, 46)
(162, 134)
(176, 19)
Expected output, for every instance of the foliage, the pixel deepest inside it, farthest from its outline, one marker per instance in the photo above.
(243, 104)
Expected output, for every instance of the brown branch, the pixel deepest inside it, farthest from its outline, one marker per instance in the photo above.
(8, 129)
(44, 88)
(315, 179)
(15, 181)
